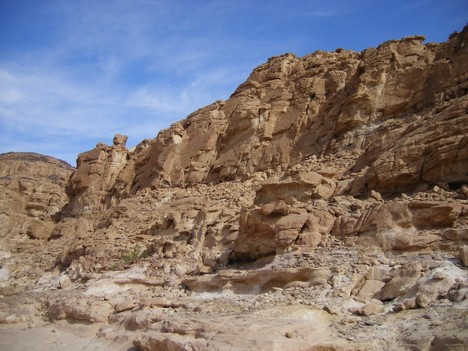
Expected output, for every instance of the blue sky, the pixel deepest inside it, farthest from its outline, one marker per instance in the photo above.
(76, 72)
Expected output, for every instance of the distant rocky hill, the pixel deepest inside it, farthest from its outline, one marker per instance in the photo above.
(335, 184)
(33, 192)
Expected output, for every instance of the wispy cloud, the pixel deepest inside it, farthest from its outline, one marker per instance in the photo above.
(415, 4)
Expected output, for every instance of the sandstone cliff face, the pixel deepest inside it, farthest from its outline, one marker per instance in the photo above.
(307, 131)
(399, 109)
(91, 186)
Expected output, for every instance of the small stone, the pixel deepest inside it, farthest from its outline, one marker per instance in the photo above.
(167, 268)
(464, 255)
(376, 196)
(370, 323)
(423, 300)
(65, 282)
(464, 190)
(431, 315)
(410, 303)
(369, 289)
(331, 309)
(371, 308)
(125, 306)
(205, 269)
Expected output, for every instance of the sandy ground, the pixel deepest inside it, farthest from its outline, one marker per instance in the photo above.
(56, 337)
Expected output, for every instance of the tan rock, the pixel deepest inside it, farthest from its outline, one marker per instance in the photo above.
(427, 214)
(39, 229)
(262, 235)
(318, 224)
(423, 300)
(100, 172)
(81, 310)
(256, 280)
(125, 306)
(376, 196)
(464, 255)
(373, 307)
(134, 320)
(300, 187)
(369, 289)
(388, 225)
(175, 343)
(65, 282)
(277, 207)
(33, 192)
(404, 280)
(380, 273)
(287, 228)
(120, 139)
(289, 109)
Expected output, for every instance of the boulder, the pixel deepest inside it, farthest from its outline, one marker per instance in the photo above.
(275, 228)
(302, 186)
(369, 289)
(255, 281)
(403, 281)
(434, 214)
(79, 309)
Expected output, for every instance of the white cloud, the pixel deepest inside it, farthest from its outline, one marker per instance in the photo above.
(46, 103)
(50, 113)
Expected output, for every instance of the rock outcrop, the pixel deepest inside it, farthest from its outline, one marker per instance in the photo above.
(99, 172)
(33, 194)
(329, 190)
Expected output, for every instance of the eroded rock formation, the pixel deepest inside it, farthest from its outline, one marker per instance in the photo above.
(33, 193)
(380, 105)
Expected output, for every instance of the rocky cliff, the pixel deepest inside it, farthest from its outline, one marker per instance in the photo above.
(32, 198)
(374, 106)
(383, 122)
(33, 194)
(335, 184)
